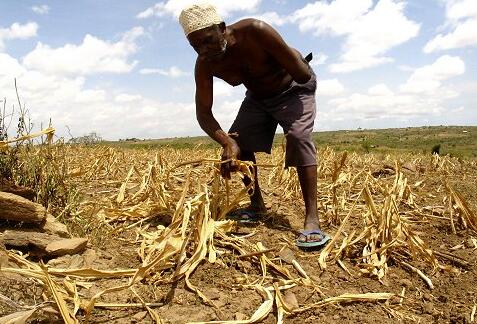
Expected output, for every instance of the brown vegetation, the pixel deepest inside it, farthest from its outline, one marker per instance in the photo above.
(403, 230)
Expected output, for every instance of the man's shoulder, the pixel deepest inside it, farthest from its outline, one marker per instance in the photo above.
(247, 24)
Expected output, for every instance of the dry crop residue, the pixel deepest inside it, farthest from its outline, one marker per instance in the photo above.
(403, 244)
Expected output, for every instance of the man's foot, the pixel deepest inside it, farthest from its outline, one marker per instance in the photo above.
(246, 215)
(313, 238)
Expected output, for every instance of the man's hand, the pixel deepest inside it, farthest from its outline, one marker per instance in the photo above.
(230, 153)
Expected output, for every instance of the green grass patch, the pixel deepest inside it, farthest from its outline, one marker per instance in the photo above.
(458, 141)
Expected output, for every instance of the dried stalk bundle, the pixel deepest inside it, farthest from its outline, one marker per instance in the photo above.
(49, 132)
(458, 205)
(387, 232)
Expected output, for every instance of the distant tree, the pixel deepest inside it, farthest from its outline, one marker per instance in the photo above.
(436, 149)
(366, 146)
(91, 138)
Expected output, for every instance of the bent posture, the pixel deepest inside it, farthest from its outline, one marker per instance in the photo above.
(280, 90)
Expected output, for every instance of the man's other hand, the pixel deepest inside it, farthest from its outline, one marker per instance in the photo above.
(230, 153)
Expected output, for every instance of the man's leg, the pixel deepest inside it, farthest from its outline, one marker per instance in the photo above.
(308, 183)
(256, 199)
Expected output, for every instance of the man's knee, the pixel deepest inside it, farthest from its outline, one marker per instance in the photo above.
(294, 137)
(300, 150)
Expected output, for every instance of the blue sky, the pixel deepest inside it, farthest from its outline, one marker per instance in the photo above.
(124, 68)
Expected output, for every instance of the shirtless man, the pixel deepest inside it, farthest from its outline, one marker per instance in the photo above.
(280, 90)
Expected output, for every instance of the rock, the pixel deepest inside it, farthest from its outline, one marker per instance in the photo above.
(21, 191)
(290, 300)
(27, 238)
(105, 255)
(3, 256)
(89, 257)
(213, 317)
(428, 308)
(246, 265)
(66, 246)
(286, 255)
(469, 243)
(405, 282)
(221, 302)
(426, 296)
(213, 294)
(443, 298)
(43, 243)
(16, 208)
(240, 316)
(140, 316)
(66, 262)
(52, 226)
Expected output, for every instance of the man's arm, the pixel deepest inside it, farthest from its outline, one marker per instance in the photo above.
(289, 58)
(207, 121)
(203, 105)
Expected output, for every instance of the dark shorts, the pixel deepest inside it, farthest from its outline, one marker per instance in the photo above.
(294, 110)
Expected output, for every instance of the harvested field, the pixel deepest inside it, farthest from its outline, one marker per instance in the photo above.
(403, 227)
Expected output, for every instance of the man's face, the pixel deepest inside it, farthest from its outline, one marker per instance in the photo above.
(209, 43)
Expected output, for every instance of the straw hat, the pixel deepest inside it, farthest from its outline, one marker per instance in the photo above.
(198, 16)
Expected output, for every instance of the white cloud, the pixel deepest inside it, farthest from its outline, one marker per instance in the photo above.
(222, 89)
(459, 9)
(270, 17)
(226, 111)
(330, 87)
(174, 7)
(92, 56)
(319, 59)
(428, 79)
(125, 97)
(336, 17)
(18, 31)
(69, 101)
(369, 32)
(382, 105)
(173, 72)
(423, 94)
(380, 90)
(461, 20)
(156, 10)
(405, 68)
(90, 96)
(41, 9)
(9, 66)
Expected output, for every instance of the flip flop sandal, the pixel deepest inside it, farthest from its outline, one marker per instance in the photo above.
(243, 216)
(312, 244)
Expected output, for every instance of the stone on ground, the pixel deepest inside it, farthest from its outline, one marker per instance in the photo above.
(16, 208)
(52, 226)
(43, 243)
(27, 239)
(67, 246)
(12, 188)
